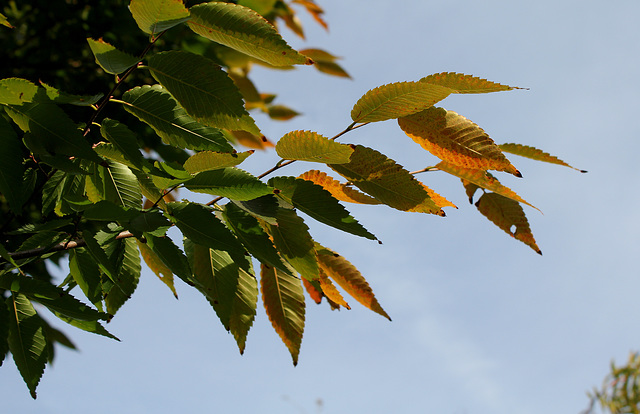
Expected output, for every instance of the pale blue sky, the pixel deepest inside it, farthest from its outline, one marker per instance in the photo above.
(481, 324)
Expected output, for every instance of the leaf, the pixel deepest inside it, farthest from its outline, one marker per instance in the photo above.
(16, 91)
(229, 182)
(318, 203)
(482, 179)
(157, 266)
(203, 89)
(349, 278)
(396, 100)
(250, 140)
(51, 131)
(5, 22)
(293, 241)
(210, 160)
(262, 7)
(229, 285)
(456, 140)
(534, 154)
(340, 191)
(313, 147)
(171, 256)
(264, 208)
(86, 273)
(325, 62)
(155, 106)
(313, 289)
(124, 140)
(155, 16)
(110, 59)
(507, 214)
(125, 253)
(4, 330)
(11, 168)
(57, 96)
(117, 184)
(380, 177)
(27, 342)
(283, 300)
(244, 30)
(460, 83)
(89, 326)
(330, 291)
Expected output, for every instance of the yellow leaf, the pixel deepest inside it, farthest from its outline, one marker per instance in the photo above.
(330, 291)
(534, 154)
(460, 83)
(340, 191)
(157, 266)
(455, 139)
(349, 278)
(507, 214)
(250, 140)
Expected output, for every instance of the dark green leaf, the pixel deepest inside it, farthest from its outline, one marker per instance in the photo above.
(4, 330)
(117, 292)
(124, 140)
(171, 256)
(86, 273)
(229, 182)
(115, 183)
(11, 168)
(109, 58)
(265, 208)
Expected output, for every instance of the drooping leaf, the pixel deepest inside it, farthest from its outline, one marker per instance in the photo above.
(281, 112)
(244, 30)
(456, 140)
(157, 266)
(51, 131)
(396, 100)
(229, 285)
(507, 214)
(313, 147)
(460, 83)
(349, 278)
(86, 273)
(292, 239)
(534, 154)
(330, 291)
(155, 16)
(337, 189)
(229, 182)
(27, 341)
(283, 300)
(325, 62)
(264, 208)
(250, 140)
(115, 183)
(110, 59)
(5, 22)
(314, 10)
(380, 177)
(210, 160)
(171, 256)
(108, 265)
(482, 179)
(203, 89)
(318, 203)
(313, 289)
(117, 292)
(94, 327)
(155, 106)
(124, 140)
(11, 168)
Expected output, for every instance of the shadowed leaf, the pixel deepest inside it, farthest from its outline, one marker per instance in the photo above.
(11, 168)
(109, 58)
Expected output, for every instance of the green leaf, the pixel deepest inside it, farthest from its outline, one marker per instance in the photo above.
(5, 22)
(318, 203)
(396, 100)
(283, 299)
(57, 96)
(125, 253)
(264, 208)
(51, 131)
(110, 59)
(157, 266)
(534, 154)
(203, 89)
(210, 160)
(86, 273)
(115, 183)
(460, 83)
(155, 106)
(88, 326)
(199, 224)
(155, 16)
(124, 140)
(27, 341)
(11, 168)
(229, 182)
(380, 177)
(171, 256)
(293, 241)
(229, 285)
(244, 30)
(16, 91)
(311, 146)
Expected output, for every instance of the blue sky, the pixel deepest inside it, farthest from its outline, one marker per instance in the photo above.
(481, 324)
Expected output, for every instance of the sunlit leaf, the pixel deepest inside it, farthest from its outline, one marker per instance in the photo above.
(330, 291)
(27, 341)
(507, 214)
(11, 168)
(349, 278)
(157, 266)
(313, 200)
(337, 189)
(249, 140)
(117, 184)
(262, 7)
(396, 100)
(283, 300)
(313, 289)
(244, 30)
(380, 177)
(229, 182)
(16, 91)
(109, 58)
(155, 16)
(155, 106)
(311, 146)
(534, 154)
(325, 62)
(460, 83)
(456, 140)
(210, 160)
(5, 22)
(203, 89)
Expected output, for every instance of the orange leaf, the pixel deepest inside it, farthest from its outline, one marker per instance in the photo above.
(250, 140)
(349, 278)
(340, 191)
(315, 11)
(455, 139)
(312, 290)
(506, 214)
(330, 291)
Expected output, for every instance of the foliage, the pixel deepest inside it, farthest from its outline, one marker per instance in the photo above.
(91, 176)
(620, 392)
